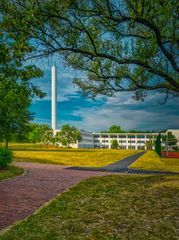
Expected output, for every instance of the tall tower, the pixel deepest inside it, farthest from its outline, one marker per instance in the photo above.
(54, 97)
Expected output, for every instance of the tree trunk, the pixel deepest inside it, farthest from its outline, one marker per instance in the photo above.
(6, 142)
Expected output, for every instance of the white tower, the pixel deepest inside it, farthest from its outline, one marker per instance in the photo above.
(54, 97)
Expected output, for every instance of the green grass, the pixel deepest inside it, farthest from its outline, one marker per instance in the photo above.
(10, 171)
(73, 157)
(151, 161)
(109, 208)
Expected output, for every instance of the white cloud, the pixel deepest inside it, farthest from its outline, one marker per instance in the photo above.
(128, 114)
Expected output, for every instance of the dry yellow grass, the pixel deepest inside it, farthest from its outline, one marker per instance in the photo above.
(151, 161)
(31, 146)
(73, 157)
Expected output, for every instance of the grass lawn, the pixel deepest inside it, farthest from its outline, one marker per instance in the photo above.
(10, 171)
(31, 146)
(151, 161)
(73, 157)
(110, 208)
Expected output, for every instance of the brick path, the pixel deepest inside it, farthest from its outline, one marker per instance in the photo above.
(21, 196)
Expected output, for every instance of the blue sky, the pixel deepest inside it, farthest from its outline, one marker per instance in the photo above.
(84, 113)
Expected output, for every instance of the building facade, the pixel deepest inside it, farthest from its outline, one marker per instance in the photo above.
(125, 140)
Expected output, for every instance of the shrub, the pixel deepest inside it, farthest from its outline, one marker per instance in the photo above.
(6, 157)
(114, 144)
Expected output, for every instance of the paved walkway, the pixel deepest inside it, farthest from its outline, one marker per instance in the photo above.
(123, 166)
(21, 196)
(114, 167)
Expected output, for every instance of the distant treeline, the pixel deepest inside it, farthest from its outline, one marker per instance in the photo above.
(118, 129)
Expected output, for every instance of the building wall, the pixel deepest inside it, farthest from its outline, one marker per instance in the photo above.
(125, 140)
(87, 140)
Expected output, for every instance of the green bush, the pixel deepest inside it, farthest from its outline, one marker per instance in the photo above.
(6, 157)
(114, 144)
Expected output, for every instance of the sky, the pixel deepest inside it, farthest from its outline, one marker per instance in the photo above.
(96, 115)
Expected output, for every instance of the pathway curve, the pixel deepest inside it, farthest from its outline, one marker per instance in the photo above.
(22, 195)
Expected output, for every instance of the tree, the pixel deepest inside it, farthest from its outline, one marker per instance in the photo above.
(38, 133)
(158, 147)
(114, 144)
(68, 135)
(49, 137)
(16, 89)
(120, 45)
(115, 129)
(14, 114)
(150, 144)
(169, 139)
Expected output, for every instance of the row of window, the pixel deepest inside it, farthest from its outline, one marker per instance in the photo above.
(120, 141)
(124, 136)
(122, 147)
(87, 140)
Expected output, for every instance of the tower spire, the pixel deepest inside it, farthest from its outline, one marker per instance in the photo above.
(54, 97)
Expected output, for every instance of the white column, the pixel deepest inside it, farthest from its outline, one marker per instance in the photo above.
(54, 98)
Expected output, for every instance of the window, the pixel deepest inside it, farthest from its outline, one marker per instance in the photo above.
(96, 136)
(140, 141)
(131, 141)
(141, 147)
(122, 141)
(122, 147)
(105, 146)
(141, 136)
(104, 136)
(96, 146)
(113, 136)
(131, 147)
(149, 136)
(122, 136)
(131, 136)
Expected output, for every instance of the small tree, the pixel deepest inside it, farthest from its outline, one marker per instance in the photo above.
(158, 148)
(170, 140)
(49, 137)
(150, 144)
(114, 144)
(68, 135)
(37, 133)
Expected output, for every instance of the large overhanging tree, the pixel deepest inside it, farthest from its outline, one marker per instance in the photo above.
(16, 89)
(123, 45)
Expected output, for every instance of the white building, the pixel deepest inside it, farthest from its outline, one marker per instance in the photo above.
(104, 140)
(125, 140)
